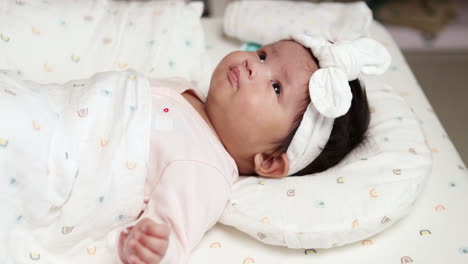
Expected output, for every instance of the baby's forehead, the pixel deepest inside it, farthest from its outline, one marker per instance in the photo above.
(296, 51)
(288, 44)
(292, 55)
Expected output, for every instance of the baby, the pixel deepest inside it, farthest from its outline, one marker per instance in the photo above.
(294, 107)
(264, 115)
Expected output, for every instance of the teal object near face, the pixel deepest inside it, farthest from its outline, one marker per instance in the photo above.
(250, 46)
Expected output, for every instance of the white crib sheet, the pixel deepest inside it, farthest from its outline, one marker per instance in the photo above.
(437, 230)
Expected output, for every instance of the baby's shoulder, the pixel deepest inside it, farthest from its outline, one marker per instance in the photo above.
(176, 84)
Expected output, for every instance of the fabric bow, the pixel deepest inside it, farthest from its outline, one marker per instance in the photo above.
(339, 63)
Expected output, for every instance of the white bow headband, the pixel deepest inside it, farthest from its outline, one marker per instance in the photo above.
(329, 90)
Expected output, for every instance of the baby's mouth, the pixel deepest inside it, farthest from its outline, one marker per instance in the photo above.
(233, 75)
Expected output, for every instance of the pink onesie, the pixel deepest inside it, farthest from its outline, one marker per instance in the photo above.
(190, 173)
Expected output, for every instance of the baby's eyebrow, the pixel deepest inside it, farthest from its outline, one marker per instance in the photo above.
(285, 73)
(274, 50)
(283, 68)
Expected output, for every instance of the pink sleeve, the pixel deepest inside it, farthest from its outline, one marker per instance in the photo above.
(190, 197)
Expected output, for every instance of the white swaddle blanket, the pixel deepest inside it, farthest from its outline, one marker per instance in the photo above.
(72, 163)
(265, 22)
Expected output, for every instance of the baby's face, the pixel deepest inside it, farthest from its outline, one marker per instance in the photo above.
(254, 97)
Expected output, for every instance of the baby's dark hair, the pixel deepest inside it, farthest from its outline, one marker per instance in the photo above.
(347, 133)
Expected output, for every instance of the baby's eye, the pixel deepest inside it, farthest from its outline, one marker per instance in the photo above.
(262, 56)
(277, 88)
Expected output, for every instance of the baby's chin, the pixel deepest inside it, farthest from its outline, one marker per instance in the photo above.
(218, 81)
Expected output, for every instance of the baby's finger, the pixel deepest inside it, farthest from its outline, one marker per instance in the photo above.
(158, 230)
(155, 244)
(143, 253)
(135, 260)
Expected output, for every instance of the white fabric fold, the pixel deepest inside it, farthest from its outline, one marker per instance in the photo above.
(78, 172)
(309, 140)
(264, 22)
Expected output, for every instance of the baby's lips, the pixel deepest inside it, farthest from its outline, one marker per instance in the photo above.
(233, 75)
(237, 73)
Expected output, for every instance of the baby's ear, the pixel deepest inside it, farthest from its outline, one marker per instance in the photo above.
(271, 166)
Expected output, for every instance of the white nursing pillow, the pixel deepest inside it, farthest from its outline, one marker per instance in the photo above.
(368, 191)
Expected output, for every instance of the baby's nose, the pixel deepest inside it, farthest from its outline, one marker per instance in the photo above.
(248, 68)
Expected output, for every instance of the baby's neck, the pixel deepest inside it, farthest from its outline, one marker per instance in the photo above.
(199, 107)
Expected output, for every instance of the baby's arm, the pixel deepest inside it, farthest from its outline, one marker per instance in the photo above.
(190, 198)
(144, 243)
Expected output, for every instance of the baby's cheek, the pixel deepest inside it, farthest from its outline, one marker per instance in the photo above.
(251, 111)
(254, 105)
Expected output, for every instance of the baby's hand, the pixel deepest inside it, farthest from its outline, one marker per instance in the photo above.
(145, 243)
